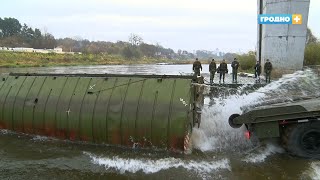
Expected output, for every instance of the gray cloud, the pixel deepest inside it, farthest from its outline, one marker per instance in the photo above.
(181, 24)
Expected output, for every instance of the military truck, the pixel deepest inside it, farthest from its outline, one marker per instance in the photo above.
(295, 124)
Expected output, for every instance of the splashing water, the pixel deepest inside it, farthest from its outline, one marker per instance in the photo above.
(41, 138)
(262, 154)
(152, 166)
(4, 131)
(313, 172)
(215, 134)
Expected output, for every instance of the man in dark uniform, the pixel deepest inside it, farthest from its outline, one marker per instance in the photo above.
(196, 67)
(235, 65)
(212, 70)
(257, 71)
(267, 70)
(223, 69)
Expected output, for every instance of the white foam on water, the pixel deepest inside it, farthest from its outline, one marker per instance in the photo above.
(215, 134)
(315, 167)
(4, 131)
(40, 138)
(34, 137)
(313, 172)
(263, 153)
(149, 166)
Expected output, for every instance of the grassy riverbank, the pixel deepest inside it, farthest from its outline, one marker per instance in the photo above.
(21, 59)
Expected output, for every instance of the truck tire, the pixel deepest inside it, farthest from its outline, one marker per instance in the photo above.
(303, 139)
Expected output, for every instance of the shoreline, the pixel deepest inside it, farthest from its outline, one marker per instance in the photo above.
(25, 59)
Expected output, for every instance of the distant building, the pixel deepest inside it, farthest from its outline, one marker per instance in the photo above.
(45, 51)
(22, 49)
(4, 49)
(57, 50)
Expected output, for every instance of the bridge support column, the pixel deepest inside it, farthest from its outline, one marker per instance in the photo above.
(283, 44)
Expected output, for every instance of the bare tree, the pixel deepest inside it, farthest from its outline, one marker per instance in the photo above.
(77, 38)
(45, 31)
(135, 39)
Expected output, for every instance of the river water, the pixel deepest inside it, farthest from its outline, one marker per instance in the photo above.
(219, 152)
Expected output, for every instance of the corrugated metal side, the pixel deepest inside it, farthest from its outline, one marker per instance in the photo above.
(128, 111)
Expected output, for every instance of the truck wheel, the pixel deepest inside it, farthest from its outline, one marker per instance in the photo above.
(303, 139)
(231, 123)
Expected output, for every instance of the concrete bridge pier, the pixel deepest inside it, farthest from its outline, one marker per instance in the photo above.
(283, 44)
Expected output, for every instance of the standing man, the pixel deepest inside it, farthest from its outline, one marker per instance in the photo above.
(223, 68)
(267, 70)
(212, 70)
(235, 65)
(257, 71)
(196, 67)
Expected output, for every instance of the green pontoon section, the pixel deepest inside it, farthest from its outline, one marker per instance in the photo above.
(129, 110)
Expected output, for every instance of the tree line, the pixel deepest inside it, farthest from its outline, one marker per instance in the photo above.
(15, 34)
(312, 51)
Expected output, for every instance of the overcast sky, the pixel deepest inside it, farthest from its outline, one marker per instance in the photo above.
(230, 25)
